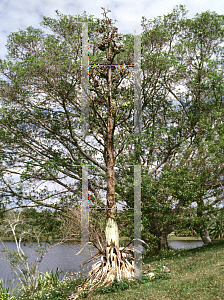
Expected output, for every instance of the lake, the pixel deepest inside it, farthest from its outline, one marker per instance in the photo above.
(188, 244)
(64, 257)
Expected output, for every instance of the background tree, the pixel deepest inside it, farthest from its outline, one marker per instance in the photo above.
(183, 87)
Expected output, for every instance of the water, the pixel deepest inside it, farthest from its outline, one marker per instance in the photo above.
(185, 244)
(64, 257)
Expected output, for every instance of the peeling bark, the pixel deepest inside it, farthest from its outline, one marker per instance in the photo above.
(112, 236)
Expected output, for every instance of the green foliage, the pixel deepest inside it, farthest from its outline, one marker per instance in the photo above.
(216, 224)
(46, 220)
(116, 286)
(58, 291)
(125, 284)
(26, 271)
(184, 138)
(49, 278)
(183, 147)
(10, 292)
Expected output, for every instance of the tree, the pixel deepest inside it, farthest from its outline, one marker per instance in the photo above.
(40, 119)
(180, 53)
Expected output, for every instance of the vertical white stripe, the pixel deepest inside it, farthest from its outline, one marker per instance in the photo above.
(85, 217)
(85, 80)
(137, 82)
(85, 206)
(137, 220)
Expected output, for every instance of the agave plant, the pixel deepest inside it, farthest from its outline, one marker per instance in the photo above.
(114, 263)
(8, 293)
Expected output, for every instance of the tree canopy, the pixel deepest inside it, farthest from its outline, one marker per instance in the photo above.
(41, 144)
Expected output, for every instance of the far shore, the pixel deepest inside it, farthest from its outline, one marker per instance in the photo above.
(122, 239)
(184, 238)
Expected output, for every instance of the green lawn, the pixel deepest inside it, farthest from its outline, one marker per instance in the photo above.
(196, 274)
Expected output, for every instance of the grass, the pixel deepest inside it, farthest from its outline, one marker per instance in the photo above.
(194, 274)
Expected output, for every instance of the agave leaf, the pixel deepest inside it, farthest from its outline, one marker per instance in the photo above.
(91, 258)
(83, 247)
(118, 253)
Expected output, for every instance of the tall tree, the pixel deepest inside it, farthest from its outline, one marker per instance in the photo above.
(40, 120)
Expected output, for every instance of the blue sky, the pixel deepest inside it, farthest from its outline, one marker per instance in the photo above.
(19, 14)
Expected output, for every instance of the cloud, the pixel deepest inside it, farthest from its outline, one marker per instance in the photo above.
(19, 14)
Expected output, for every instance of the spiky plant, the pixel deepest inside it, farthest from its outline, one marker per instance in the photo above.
(114, 263)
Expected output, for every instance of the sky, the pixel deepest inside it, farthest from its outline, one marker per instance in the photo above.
(19, 14)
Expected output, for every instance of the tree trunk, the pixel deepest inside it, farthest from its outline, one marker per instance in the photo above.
(203, 232)
(205, 237)
(163, 244)
(161, 234)
(112, 236)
